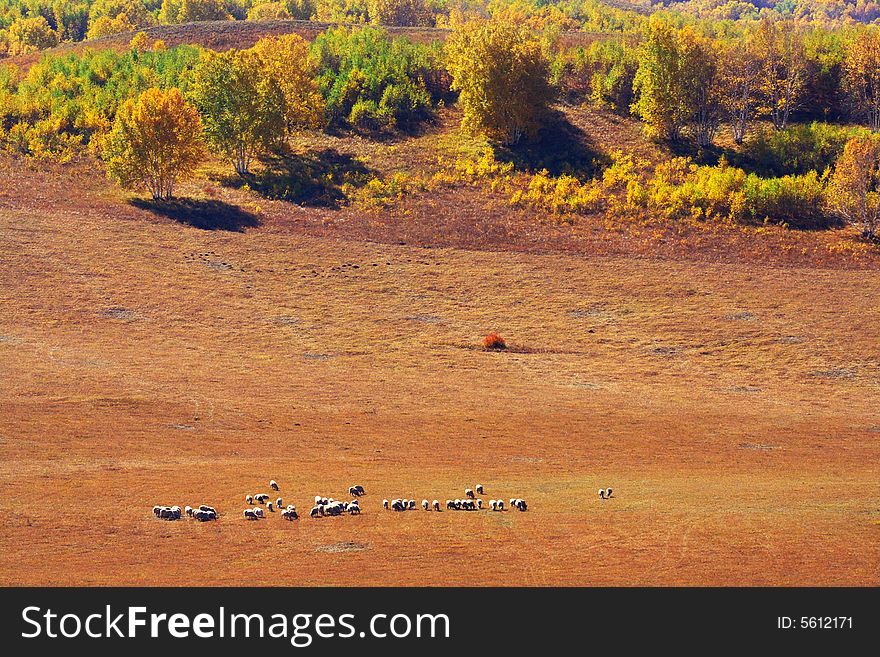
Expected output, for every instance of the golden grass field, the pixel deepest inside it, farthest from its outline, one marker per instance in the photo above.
(731, 402)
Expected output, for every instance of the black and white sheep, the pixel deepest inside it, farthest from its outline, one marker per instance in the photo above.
(425, 505)
(259, 512)
(469, 493)
(248, 499)
(436, 505)
(479, 489)
(249, 514)
(273, 484)
(289, 514)
(384, 504)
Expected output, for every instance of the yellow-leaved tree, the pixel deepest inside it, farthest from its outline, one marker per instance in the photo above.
(852, 192)
(286, 63)
(502, 77)
(402, 13)
(861, 75)
(155, 142)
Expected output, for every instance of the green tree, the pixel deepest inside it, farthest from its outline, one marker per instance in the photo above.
(242, 108)
(503, 79)
(155, 142)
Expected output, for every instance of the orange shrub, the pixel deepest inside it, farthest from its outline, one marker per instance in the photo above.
(494, 341)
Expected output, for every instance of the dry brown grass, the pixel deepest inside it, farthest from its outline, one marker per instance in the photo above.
(727, 391)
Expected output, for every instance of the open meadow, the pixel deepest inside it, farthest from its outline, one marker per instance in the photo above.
(732, 406)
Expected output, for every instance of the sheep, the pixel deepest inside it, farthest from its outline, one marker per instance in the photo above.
(512, 501)
(204, 516)
(259, 512)
(602, 493)
(469, 493)
(500, 505)
(450, 505)
(249, 514)
(188, 510)
(399, 505)
(273, 484)
(412, 504)
(360, 490)
(479, 504)
(469, 505)
(458, 505)
(479, 488)
(436, 505)
(354, 509)
(317, 499)
(317, 511)
(271, 507)
(521, 505)
(289, 514)
(262, 498)
(384, 504)
(278, 503)
(425, 504)
(157, 510)
(168, 513)
(205, 507)
(248, 499)
(493, 505)
(608, 493)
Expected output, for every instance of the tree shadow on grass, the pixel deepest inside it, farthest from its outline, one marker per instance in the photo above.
(561, 148)
(312, 179)
(207, 214)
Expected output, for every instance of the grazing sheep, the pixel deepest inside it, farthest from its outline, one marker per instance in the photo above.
(157, 510)
(479, 504)
(278, 503)
(271, 507)
(353, 491)
(469, 505)
(259, 512)
(512, 501)
(521, 505)
(479, 488)
(317, 499)
(273, 484)
(289, 514)
(249, 514)
(608, 493)
(360, 490)
(458, 505)
(188, 510)
(248, 499)
(399, 505)
(500, 505)
(317, 511)
(450, 505)
(354, 509)
(384, 504)
(204, 516)
(493, 505)
(425, 504)
(602, 493)
(262, 498)
(205, 507)
(436, 505)
(469, 493)
(412, 504)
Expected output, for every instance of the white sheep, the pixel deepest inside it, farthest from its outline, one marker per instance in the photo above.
(317, 499)
(399, 505)
(271, 507)
(500, 505)
(259, 512)
(493, 504)
(205, 507)
(360, 490)
(479, 504)
(384, 504)
(317, 511)
(289, 514)
(450, 505)
(248, 499)
(157, 510)
(521, 505)
(249, 514)
(278, 503)
(188, 510)
(436, 505)
(608, 493)
(602, 493)
(469, 493)
(412, 504)
(425, 504)
(262, 498)
(204, 516)
(479, 488)
(354, 509)
(273, 484)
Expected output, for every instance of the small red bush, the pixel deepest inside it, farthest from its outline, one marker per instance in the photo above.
(494, 341)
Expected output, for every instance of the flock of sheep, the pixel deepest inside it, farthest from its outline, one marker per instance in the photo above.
(202, 513)
(327, 506)
(470, 503)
